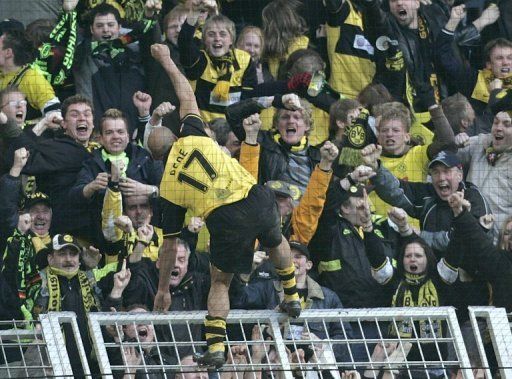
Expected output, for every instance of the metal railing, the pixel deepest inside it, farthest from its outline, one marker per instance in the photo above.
(498, 330)
(319, 344)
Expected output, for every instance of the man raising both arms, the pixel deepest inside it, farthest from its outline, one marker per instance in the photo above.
(201, 177)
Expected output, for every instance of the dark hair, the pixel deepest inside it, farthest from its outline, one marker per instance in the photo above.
(429, 254)
(103, 10)
(373, 94)
(7, 91)
(339, 112)
(492, 44)
(21, 46)
(221, 129)
(455, 109)
(281, 25)
(299, 60)
(131, 307)
(113, 114)
(38, 31)
(75, 99)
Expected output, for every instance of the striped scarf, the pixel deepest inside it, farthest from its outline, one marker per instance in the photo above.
(416, 291)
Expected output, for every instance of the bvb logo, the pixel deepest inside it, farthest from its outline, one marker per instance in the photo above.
(357, 135)
(68, 238)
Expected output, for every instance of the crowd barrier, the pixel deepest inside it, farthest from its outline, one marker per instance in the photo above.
(270, 339)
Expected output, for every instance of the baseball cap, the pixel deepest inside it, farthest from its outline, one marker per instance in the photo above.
(59, 241)
(447, 158)
(35, 198)
(284, 189)
(301, 248)
(10, 24)
(503, 102)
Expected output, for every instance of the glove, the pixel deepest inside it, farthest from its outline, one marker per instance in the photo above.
(425, 97)
(299, 82)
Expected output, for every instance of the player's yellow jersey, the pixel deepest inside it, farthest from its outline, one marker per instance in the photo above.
(412, 166)
(201, 177)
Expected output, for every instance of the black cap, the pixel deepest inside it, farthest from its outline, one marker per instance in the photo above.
(10, 24)
(35, 198)
(59, 241)
(303, 249)
(503, 102)
(284, 189)
(447, 158)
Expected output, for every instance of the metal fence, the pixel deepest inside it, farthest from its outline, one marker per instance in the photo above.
(315, 345)
(394, 342)
(497, 331)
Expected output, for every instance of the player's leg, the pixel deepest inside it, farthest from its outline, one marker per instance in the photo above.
(281, 257)
(215, 321)
(279, 249)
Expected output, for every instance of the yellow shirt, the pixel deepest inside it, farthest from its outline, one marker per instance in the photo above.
(33, 84)
(201, 177)
(297, 44)
(412, 166)
(350, 53)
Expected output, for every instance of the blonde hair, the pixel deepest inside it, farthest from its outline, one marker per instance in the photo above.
(393, 111)
(220, 20)
(178, 11)
(113, 114)
(307, 115)
(247, 30)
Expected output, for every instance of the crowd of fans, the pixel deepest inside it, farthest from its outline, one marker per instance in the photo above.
(383, 129)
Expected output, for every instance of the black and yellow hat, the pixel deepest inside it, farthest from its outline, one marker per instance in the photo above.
(35, 198)
(285, 189)
(59, 241)
(336, 195)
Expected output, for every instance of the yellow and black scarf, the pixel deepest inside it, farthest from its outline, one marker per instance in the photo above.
(225, 66)
(27, 267)
(484, 79)
(86, 287)
(293, 148)
(416, 291)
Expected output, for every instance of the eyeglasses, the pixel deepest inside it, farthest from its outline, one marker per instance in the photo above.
(15, 103)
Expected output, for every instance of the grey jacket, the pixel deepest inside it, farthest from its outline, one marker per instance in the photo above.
(495, 182)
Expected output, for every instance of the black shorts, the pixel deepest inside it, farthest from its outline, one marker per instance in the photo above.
(235, 227)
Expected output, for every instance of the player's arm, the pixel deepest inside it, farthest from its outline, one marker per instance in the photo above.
(173, 217)
(186, 96)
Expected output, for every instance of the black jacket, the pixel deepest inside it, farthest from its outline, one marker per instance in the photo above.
(56, 163)
(160, 87)
(480, 255)
(11, 194)
(141, 168)
(71, 300)
(339, 254)
(419, 61)
(274, 158)
(421, 201)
